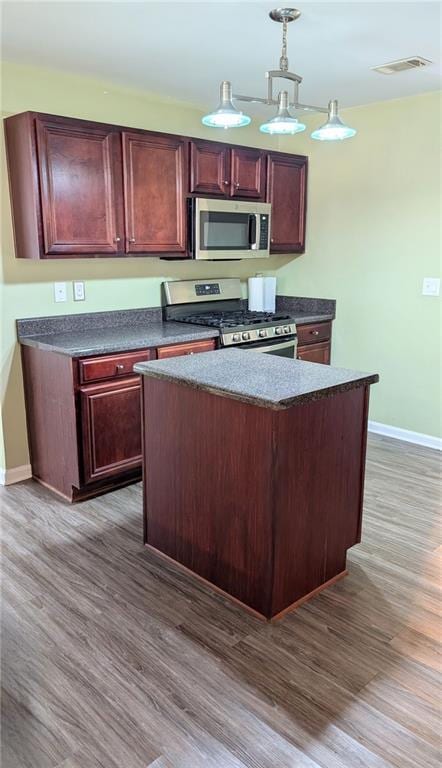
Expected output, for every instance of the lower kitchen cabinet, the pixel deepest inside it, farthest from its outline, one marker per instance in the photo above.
(110, 428)
(315, 353)
(84, 417)
(314, 342)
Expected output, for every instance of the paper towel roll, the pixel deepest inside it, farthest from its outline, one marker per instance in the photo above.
(269, 294)
(256, 294)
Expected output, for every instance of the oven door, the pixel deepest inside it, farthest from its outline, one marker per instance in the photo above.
(282, 347)
(227, 229)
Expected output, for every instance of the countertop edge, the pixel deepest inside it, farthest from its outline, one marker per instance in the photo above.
(282, 405)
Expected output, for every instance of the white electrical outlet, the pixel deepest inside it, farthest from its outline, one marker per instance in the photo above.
(431, 286)
(60, 293)
(79, 291)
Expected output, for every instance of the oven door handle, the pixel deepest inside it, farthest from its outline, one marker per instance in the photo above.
(269, 347)
(254, 231)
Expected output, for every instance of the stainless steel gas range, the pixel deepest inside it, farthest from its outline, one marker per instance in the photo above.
(219, 304)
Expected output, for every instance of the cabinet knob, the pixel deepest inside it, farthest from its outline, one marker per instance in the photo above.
(226, 183)
(117, 239)
(314, 333)
(131, 239)
(190, 353)
(120, 367)
(237, 185)
(272, 239)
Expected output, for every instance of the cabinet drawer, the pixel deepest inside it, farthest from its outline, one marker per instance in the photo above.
(111, 366)
(191, 348)
(313, 332)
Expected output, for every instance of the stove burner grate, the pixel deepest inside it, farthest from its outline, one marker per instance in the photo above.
(232, 319)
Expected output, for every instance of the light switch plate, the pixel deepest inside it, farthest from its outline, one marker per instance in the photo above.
(79, 291)
(60, 293)
(431, 286)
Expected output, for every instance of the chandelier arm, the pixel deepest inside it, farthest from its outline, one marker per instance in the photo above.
(309, 107)
(240, 97)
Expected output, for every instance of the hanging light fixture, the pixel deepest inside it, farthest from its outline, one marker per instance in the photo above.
(228, 116)
(283, 122)
(334, 128)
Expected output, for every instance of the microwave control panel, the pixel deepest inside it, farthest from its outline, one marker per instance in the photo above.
(264, 232)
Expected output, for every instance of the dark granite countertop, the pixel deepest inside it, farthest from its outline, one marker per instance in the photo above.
(257, 378)
(100, 341)
(98, 333)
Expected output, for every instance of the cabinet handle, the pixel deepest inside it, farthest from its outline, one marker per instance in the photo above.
(225, 182)
(190, 353)
(237, 185)
(272, 239)
(117, 239)
(314, 333)
(120, 367)
(131, 239)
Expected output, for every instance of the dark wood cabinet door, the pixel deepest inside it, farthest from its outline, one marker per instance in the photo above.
(111, 428)
(81, 188)
(286, 191)
(154, 170)
(315, 353)
(247, 173)
(209, 168)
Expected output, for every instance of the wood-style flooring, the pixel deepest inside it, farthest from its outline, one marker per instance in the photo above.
(113, 659)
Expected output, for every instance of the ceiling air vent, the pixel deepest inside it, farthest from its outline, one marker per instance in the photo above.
(414, 62)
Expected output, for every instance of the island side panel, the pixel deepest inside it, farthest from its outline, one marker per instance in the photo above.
(319, 488)
(208, 488)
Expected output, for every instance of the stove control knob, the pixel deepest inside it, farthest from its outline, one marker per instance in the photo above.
(246, 336)
(278, 330)
(286, 329)
(236, 337)
(262, 333)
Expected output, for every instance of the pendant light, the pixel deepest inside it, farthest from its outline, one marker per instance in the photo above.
(228, 116)
(283, 123)
(334, 129)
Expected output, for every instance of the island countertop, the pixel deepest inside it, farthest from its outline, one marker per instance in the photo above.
(253, 377)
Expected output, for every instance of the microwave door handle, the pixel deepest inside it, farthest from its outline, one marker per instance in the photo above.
(253, 231)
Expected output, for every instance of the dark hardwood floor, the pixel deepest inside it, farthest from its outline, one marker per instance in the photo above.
(112, 658)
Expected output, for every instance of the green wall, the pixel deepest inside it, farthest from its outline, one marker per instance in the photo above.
(372, 236)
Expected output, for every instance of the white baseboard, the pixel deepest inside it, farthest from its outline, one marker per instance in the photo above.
(15, 475)
(405, 434)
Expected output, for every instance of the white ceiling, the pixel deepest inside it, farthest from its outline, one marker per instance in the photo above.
(182, 50)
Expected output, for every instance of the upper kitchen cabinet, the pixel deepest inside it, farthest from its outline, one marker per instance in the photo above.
(154, 191)
(247, 173)
(218, 169)
(66, 187)
(287, 192)
(86, 189)
(209, 168)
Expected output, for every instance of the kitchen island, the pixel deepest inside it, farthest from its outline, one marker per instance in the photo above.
(254, 471)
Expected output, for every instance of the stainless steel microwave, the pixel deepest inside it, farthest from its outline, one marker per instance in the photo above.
(228, 229)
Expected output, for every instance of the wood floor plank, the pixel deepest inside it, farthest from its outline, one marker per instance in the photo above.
(111, 657)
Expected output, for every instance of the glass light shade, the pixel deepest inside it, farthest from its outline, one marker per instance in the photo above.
(226, 115)
(334, 129)
(283, 122)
